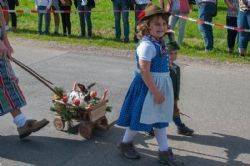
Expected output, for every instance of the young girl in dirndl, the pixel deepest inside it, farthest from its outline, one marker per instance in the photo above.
(149, 100)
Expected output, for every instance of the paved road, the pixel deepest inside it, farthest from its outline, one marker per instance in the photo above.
(216, 96)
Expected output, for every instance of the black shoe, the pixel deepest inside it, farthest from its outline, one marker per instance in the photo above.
(46, 33)
(126, 40)
(128, 150)
(136, 40)
(56, 34)
(184, 130)
(117, 39)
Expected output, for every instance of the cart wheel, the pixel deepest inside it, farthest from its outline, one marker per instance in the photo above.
(85, 130)
(59, 124)
(103, 123)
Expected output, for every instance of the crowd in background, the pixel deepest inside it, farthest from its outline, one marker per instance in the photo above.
(238, 15)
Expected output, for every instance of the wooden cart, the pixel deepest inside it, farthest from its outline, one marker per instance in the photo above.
(88, 119)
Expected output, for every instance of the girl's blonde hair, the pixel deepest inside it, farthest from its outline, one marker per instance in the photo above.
(143, 26)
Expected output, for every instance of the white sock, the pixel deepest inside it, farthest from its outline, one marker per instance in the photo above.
(162, 139)
(129, 135)
(20, 120)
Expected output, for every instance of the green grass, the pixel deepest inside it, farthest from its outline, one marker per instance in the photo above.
(103, 29)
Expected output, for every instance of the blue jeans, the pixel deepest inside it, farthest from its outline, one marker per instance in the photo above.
(86, 15)
(206, 12)
(42, 12)
(182, 23)
(119, 6)
(243, 22)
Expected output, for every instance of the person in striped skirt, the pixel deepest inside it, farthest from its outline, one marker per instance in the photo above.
(11, 96)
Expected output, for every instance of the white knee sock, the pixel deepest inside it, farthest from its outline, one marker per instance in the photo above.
(20, 120)
(162, 139)
(129, 135)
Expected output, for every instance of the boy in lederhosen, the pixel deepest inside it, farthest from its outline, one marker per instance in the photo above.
(175, 75)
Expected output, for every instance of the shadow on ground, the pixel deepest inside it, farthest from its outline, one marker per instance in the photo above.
(233, 145)
(102, 150)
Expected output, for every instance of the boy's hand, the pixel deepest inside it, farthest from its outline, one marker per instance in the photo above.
(63, 2)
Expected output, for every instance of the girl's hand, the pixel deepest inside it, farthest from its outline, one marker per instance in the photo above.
(159, 98)
(8, 46)
(3, 50)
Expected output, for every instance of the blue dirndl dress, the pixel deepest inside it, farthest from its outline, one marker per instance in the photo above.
(139, 99)
(11, 96)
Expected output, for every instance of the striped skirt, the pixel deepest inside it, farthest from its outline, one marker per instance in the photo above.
(11, 96)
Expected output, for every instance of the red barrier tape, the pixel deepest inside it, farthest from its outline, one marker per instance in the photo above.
(180, 16)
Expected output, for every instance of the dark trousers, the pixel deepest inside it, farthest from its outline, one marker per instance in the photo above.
(121, 7)
(66, 23)
(85, 16)
(231, 34)
(12, 6)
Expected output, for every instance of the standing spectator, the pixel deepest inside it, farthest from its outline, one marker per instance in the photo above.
(4, 5)
(243, 22)
(231, 20)
(65, 6)
(55, 7)
(179, 7)
(12, 6)
(139, 7)
(84, 9)
(43, 7)
(207, 10)
(121, 7)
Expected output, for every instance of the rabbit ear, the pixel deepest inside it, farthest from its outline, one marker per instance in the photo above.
(105, 95)
(74, 86)
(81, 87)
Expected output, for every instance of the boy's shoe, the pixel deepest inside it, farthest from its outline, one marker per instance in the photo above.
(30, 126)
(151, 133)
(168, 158)
(128, 150)
(184, 130)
